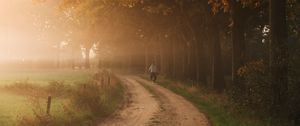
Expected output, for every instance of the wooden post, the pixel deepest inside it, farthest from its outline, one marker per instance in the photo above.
(49, 105)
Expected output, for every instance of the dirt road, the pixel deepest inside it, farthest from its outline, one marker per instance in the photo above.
(159, 107)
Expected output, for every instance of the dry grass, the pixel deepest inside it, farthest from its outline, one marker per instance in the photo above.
(24, 102)
(192, 89)
(84, 103)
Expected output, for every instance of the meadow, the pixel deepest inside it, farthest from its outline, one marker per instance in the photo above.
(15, 105)
(43, 76)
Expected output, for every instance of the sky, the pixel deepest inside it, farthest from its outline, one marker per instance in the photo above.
(18, 34)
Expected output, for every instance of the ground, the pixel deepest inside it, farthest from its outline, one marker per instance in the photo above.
(149, 104)
(146, 103)
(14, 105)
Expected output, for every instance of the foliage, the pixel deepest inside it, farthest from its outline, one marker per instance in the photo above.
(227, 5)
(98, 98)
(89, 96)
(58, 89)
(40, 117)
(257, 94)
(182, 36)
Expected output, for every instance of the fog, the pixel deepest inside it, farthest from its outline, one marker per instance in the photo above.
(34, 32)
(20, 38)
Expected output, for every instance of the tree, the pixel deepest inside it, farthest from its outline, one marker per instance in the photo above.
(278, 55)
(217, 68)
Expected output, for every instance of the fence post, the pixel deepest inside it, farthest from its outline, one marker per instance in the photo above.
(49, 105)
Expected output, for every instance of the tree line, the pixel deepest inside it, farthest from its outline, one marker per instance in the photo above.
(246, 49)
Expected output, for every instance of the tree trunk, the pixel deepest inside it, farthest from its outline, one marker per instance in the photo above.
(278, 55)
(73, 56)
(182, 53)
(193, 61)
(217, 69)
(238, 51)
(186, 60)
(58, 59)
(146, 59)
(87, 58)
(161, 59)
(200, 63)
(174, 57)
(163, 56)
(169, 54)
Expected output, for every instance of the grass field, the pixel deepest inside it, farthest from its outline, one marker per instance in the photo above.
(43, 77)
(13, 105)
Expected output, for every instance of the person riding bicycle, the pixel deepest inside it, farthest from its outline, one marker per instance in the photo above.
(153, 72)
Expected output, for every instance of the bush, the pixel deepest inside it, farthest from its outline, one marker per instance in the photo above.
(58, 89)
(39, 118)
(257, 91)
(100, 96)
(88, 96)
(26, 88)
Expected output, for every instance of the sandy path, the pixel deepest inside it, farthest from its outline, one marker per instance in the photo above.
(139, 109)
(165, 109)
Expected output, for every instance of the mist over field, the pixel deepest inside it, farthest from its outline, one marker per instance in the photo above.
(25, 32)
(149, 62)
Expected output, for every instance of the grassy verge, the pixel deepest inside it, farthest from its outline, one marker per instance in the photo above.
(215, 106)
